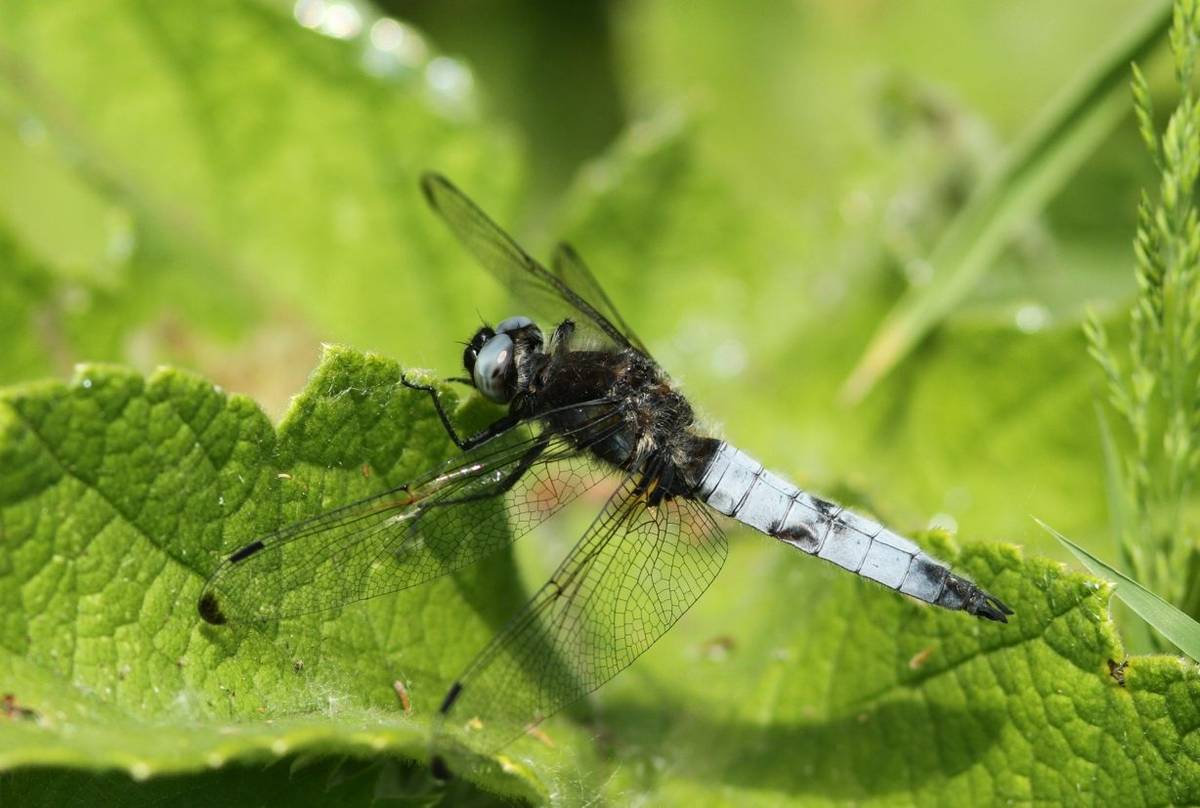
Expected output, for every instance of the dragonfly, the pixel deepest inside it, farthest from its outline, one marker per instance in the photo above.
(583, 405)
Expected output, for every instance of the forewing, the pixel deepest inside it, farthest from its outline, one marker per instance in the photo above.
(547, 295)
(633, 574)
(410, 534)
(570, 268)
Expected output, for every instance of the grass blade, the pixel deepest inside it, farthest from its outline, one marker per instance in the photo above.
(1035, 167)
(1121, 519)
(1171, 623)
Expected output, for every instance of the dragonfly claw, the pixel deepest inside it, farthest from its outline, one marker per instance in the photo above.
(981, 604)
(961, 593)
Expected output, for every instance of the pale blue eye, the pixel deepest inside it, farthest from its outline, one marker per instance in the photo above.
(493, 368)
(512, 324)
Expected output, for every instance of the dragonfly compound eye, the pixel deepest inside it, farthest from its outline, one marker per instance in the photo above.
(512, 324)
(493, 371)
(472, 349)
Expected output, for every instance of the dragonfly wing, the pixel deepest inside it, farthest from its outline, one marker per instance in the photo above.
(546, 294)
(629, 578)
(480, 502)
(570, 268)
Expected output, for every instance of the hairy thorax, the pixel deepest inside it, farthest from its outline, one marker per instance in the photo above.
(657, 420)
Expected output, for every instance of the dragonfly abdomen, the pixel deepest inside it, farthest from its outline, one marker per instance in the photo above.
(737, 485)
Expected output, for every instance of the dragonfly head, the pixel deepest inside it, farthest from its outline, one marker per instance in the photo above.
(495, 357)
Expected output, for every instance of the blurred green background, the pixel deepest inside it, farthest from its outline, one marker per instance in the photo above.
(225, 186)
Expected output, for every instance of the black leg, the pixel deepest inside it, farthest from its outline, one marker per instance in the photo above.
(495, 428)
(505, 484)
(501, 487)
(437, 405)
(486, 434)
(666, 480)
(560, 342)
(651, 473)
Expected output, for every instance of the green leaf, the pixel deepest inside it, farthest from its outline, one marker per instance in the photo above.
(806, 687)
(294, 781)
(117, 494)
(1167, 620)
(1034, 169)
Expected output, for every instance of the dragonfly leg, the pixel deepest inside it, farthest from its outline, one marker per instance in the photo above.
(666, 482)
(505, 483)
(561, 341)
(501, 487)
(657, 478)
(470, 442)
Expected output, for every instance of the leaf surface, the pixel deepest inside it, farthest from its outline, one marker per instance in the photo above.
(802, 684)
(118, 495)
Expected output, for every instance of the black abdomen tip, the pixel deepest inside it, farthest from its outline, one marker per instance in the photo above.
(989, 607)
(210, 609)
